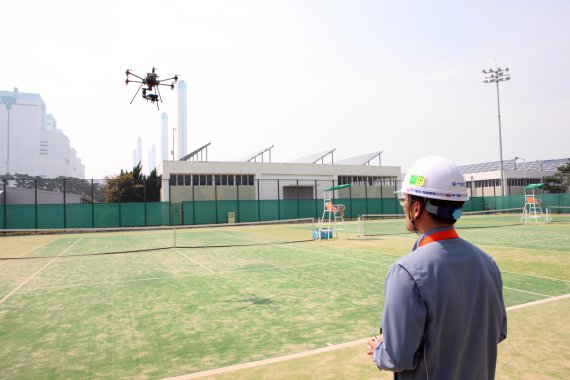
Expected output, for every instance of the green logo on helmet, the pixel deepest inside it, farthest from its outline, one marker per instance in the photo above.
(417, 180)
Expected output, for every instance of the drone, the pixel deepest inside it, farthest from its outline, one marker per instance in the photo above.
(152, 90)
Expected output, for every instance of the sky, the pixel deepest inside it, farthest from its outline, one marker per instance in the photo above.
(402, 77)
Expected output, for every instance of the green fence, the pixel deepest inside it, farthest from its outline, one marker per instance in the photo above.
(135, 214)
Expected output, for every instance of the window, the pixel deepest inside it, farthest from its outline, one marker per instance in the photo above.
(367, 180)
(211, 180)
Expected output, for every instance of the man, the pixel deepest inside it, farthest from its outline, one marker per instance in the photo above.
(443, 311)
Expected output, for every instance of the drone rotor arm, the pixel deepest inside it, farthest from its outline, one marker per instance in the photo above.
(165, 84)
(174, 78)
(135, 75)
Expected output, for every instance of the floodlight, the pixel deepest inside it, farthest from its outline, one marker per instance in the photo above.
(498, 75)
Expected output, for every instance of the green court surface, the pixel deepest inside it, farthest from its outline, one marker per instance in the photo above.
(163, 303)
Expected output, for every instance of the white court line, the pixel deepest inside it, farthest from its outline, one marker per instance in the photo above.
(526, 291)
(521, 248)
(31, 250)
(38, 272)
(189, 258)
(194, 261)
(539, 302)
(334, 347)
(541, 277)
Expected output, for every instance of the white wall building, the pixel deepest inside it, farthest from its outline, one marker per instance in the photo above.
(484, 179)
(30, 142)
(186, 180)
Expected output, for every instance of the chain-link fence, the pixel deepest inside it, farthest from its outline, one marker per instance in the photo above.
(76, 203)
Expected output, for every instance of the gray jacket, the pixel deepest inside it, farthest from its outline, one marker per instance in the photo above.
(443, 313)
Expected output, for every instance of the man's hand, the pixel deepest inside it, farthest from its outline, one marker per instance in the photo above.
(373, 342)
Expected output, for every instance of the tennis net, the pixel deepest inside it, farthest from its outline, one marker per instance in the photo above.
(105, 241)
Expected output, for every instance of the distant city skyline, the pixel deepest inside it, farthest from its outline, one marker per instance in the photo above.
(31, 142)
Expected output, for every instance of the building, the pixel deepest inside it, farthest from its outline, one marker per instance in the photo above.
(484, 179)
(193, 179)
(30, 141)
(164, 137)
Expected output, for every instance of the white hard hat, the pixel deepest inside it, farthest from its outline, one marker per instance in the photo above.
(435, 177)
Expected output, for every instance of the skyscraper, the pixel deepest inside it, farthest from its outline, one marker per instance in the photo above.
(164, 137)
(137, 157)
(182, 120)
(151, 158)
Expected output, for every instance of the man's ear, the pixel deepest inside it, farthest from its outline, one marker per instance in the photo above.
(417, 209)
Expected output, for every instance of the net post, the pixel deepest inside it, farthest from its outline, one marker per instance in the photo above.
(174, 236)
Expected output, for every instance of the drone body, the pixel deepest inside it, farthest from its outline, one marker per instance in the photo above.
(152, 90)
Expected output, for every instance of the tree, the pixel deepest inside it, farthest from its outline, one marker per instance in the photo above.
(560, 181)
(133, 186)
(153, 185)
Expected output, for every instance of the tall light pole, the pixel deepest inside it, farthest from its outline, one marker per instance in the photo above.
(524, 163)
(496, 76)
(8, 102)
(173, 130)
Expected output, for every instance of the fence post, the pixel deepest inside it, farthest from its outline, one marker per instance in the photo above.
(316, 201)
(215, 196)
(366, 195)
(64, 206)
(258, 203)
(350, 199)
(298, 205)
(35, 203)
(92, 205)
(381, 196)
(193, 203)
(237, 197)
(144, 198)
(278, 201)
(4, 204)
(396, 198)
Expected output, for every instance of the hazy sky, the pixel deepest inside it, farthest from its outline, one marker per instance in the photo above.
(403, 77)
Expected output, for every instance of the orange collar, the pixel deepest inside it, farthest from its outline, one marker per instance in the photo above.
(441, 235)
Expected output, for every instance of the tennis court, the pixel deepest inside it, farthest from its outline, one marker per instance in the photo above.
(156, 303)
